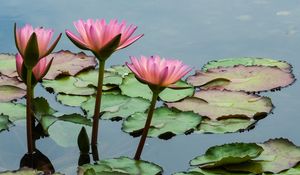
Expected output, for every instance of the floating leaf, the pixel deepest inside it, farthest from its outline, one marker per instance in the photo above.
(242, 78)
(216, 104)
(233, 153)
(25, 171)
(165, 123)
(8, 65)
(199, 171)
(65, 85)
(71, 100)
(278, 155)
(14, 111)
(123, 165)
(122, 70)
(225, 126)
(68, 63)
(91, 78)
(247, 61)
(116, 106)
(131, 84)
(4, 122)
(11, 88)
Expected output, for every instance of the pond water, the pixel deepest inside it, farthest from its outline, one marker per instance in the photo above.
(195, 31)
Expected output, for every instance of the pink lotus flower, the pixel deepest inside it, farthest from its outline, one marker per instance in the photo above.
(95, 35)
(156, 71)
(39, 70)
(43, 36)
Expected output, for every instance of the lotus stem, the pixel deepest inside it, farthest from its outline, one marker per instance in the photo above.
(146, 127)
(98, 103)
(29, 113)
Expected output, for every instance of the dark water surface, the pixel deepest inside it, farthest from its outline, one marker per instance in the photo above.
(195, 31)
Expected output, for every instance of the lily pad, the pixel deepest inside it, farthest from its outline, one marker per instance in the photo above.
(165, 123)
(278, 155)
(233, 153)
(199, 171)
(11, 88)
(116, 106)
(68, 63)
(91, 78)
(242, 78)
(122, 165)
(71, 100)
(225, 126)
(216, 104)
(8, 65)
(14, 111)
(121, 70)
(131, 84)
(247, 61)
(65, 85)
(4, 122)
(25, 171)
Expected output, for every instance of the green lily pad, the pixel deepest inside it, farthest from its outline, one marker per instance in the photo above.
(242, 78)
(121, 70)
(278, 155)
(225, 126)
(133, 88)
(14, 111)
(25, 171)
(165, 123)
(8, 65)
(216, 104)
(233, 153)
(65, 85)
(291, 171)
(199, 171)
(4, 122)
(71, 100)
(116, 106)
(91, 78)
(11, 88)
(247, 61)
(68, 63)
(122, 165)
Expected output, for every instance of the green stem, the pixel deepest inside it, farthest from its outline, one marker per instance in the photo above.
(146, 127)
(98, 104)
(28, 113)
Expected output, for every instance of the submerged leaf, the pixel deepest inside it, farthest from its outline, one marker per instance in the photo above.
(116, 105)
(242, 78)
(4, 122)
(68, 63)
(278, 155)
(216, 104)
(65, 133)
(165, 123)
(122, 166)
(247, 61)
